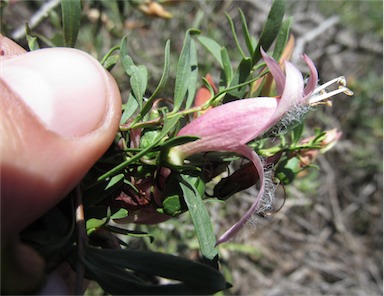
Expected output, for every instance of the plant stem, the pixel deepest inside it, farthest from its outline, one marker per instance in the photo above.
(81, 241)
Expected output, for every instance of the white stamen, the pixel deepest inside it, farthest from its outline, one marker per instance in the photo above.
(316, 99)
(320, 94)
(339, 80)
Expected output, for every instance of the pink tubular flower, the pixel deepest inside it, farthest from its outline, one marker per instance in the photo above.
(231, 126)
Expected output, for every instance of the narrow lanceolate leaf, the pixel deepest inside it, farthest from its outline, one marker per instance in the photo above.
(33, 44)
(200, 217)
(227, 66)
(71, 12)
(126, 60)
(143, 78)
(163, 80)
(247, 36)
(138, 83)
(270, 30)
(138, 74)
(191, 91)
(241, 75)
(212, 46)
(282, 38)
(111, 269)
(183, 72)
(297, 133)
(129, 109)
(231, 24)
(167, 127)
(110, 62)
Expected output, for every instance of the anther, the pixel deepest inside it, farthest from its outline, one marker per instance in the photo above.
(321, 96)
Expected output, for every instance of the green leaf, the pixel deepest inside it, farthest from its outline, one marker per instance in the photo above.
(282, 38)
(287, 169)
(114, 280)
(32, 41)
(241, 76)
(138, 74)
(270, 30)
(235, 35)
(109, 53)
(143, 78)
(168, 125)
(213, 47)
(126, 60)
(110, 62)
(183, 72)
(122, 213)
(108, 267)
(227, 66)
(137, 84)
(247, 36)
(93, 223)
(129, 109)
(148, 136)
(115, 180)
(297, 133)
(71, 12)
(172, 205)
(208, 85)
(163, 81)
(193, 78)
(200, 217)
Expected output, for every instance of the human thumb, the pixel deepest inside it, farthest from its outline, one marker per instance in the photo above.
(60, 112)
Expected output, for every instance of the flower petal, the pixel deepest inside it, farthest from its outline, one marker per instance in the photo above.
(251, 155)
(292, 95)
(228, 125)
(276, 72)
(313, 78)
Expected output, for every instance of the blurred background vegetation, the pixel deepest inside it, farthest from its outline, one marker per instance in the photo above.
(327, 239)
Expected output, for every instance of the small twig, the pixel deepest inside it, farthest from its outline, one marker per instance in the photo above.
(81, 241)
(314, 33)
(332, 194)
(35, 19)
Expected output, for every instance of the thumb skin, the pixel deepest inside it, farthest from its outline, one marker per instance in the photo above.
(60, 112)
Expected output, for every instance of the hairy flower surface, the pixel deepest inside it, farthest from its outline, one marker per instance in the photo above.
(231, 126)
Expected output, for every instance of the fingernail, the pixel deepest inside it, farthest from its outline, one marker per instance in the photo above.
(66, 88)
